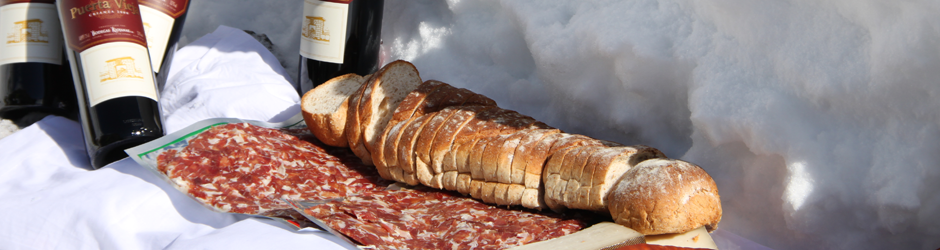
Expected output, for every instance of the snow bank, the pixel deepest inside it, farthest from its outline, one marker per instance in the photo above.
(817, 119)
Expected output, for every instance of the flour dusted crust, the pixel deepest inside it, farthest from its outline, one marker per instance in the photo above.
(661, 196)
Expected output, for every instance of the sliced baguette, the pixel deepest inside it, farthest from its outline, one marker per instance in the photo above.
(324, 108)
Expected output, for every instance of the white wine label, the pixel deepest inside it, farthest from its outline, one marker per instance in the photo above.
(115, 70)
(31, 33)
(323, 31)
(157, 26)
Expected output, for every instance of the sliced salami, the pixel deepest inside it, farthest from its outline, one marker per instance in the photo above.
(426, 218)
(242, 168)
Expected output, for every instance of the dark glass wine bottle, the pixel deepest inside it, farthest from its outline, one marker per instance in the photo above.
(163, 23)
(34, 77)
(337, 38)
(110, 64)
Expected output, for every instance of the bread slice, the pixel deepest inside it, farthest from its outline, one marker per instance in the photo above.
(479, 127)
(660, 196)
(390, 85)
(514, 194)
(507, 155)
(476, 188)
(463, 183)
(449, 180)
(444, 145)
(324, 108)
(411, 110)
(353, 127)
(553, 180)
(605, 168)
(552, 171)
(537, 159)
(406, 146)
(573, 191)
(393, 167)
(570, 162)
(523, 153)
(475, 160)
(491, 157)
(404, 112)
(422, 148)
(501, 194)
(533, 198)
(487, 192)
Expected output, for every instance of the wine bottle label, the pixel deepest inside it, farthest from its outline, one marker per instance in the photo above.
(31, 32)
(158, 17)
(109, 36)
(323, 31)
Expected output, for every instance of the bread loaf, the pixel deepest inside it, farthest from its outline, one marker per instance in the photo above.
(659, 196)
(324, 108)
(450, 138)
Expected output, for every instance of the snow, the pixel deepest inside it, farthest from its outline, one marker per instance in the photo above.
(817, 119)
(7, 128)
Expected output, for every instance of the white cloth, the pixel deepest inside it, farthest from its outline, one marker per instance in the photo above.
(51, 199)
(226, 73)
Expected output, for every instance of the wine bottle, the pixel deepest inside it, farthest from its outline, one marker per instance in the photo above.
(338, 37)
(163, 23)
(34, 79)
(117, 95)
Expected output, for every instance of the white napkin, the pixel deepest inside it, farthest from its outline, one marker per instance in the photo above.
(51, 199)
(226, 73)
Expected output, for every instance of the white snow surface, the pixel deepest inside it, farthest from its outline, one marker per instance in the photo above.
(818, 120)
